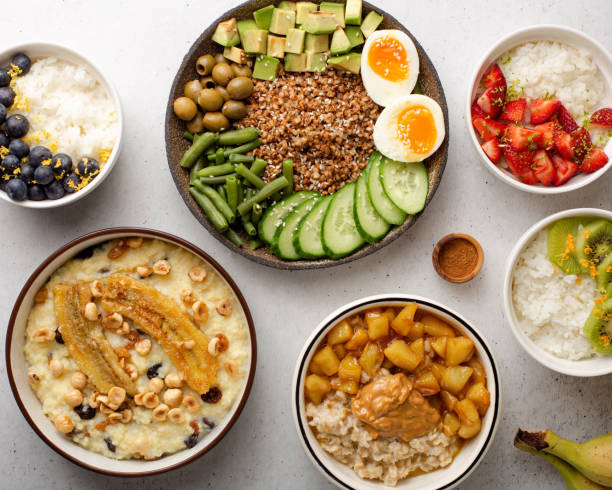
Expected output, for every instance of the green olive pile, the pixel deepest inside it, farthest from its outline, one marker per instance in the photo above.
(215, 99)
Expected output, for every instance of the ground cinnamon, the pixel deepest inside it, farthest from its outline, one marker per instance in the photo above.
(458, 257)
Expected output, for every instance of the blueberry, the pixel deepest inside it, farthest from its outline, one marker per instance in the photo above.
(23, 62)
(17, 126)
(7, 96)
(39, 154)
(9, 164)
(61, 164)
(87, 167)
(16, 189)
(4, 140)
(36, 193)
(43, 175)
(71, 183)
(27, 173)
(2, 113)
(19, 148)
(5, 78)
(85, 412)
(54, 190)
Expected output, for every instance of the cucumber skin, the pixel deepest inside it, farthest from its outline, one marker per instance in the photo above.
(364, 234)
(269, 210)
(275, 248)
(296, 241)
(382, 182)
(330, 253)
(370, 193)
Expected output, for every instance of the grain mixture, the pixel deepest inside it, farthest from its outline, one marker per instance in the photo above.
(322, 121)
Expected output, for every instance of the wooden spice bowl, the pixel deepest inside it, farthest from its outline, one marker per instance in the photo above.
(467, 265)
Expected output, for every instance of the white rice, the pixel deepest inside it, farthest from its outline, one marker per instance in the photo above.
(551, 306)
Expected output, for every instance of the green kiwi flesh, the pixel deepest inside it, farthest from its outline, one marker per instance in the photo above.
(593, 245)
(560, 245)
(604, 274)
(598, 329)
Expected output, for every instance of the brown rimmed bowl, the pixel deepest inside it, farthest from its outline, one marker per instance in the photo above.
(31, 407)
(435, 258)
(176, 145)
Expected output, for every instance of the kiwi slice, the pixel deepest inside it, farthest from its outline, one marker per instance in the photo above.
(561, 245)
(593, 245)
(598, 329)
(604, 274)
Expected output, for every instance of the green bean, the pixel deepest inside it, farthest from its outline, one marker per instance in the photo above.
(212, 213)
(240, 190)
(199, 165)
(238, 136)
(215, 170)
(248, 227)
(238, 149)
(188, 136)
(217, 200)
(199, 146)
(219, 156)
(234, 237)
(255, 244)
(238, 158)
(264, 193)
(231, 182)
(256, 213)
(221, 191)
(249, 176)
(220, 179)
(288, 174)
(258, 166)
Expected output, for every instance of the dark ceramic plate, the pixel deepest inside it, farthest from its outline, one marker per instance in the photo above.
(176, 145)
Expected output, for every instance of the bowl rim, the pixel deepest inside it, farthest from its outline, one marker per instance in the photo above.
(323, 263)
(315, 337)
(114, 95)
(528, 33)
(545, 358)
(131, 231)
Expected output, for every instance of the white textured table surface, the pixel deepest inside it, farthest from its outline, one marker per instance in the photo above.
(139, 45)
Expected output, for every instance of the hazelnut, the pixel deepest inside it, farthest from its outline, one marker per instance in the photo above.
(160, 412)
(223, 342)
(78, 380)
(73, 398)
(176, 416)
(132, 371)
(161, 268)
(125, 329)
(33, 377)
(191, 404)
(224, 307)
(150, 399)
(113, 321)
(138, 398)
(212, 346)
(93, 400)
(134, 242)
(116, 396)
(126, 415)
(114, 417)
(43, 334)
(173, 397)
(63, 424)
(188, 297)
(143, 347)
(140, 444)
(231, 368)
(144, 271)
(200, 311)
(174, 380)
(56, 368)
(155, 385)
(188, 344)
(106, 410)
(197, 274)
(97, 289)
(91, 312)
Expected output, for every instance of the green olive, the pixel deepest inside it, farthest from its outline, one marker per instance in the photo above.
(215, 121)
(210, 100)
(192, 89)
(223, 92)
(195, 125)
(207, 82)
(240, 88)
(241, 70)
(219, 58)
(185, 108)
(222, 73)
(205, 64)
(234, 109)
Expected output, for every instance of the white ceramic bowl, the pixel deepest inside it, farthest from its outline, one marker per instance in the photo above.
(546, 32)
(39, 50)
(464, 463)
(31, 407)
(596, 366)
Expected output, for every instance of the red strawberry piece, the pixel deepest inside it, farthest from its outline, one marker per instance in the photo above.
(520, 164)
(581, 143)
(492, 149)
(544, 168)
(492, 101)
(547, 131)
(494, 78)
(543, 110)
(521, 138)
(565, 169)
(514, 110)
(602, 118)
(564, 144)
(566, 120)
(477, 111)
(594, 160)
(488, 128)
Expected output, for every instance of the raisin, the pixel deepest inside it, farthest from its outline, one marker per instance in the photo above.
(152, 372)
(104, 270)
(191, 441)
(395, 370)
(86, 253)
(109, 444)
(212, 396)
(141, 332)
(209, 423)
(58, 336)
(85, 412)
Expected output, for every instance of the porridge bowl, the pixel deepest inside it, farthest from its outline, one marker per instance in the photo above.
(147, 387)
(424, 439)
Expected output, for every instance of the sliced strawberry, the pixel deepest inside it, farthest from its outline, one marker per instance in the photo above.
(494, 78)
(491, 148)
(581, 143)
(565, 169)
(594, 160)
(543, 168)
(602, 118)
(488, 128)
(547, 131)
(477, 111)
(492, 101)
(521, 138)
(514, 110)
(543, 110)
(564, 144)
(520, 164)
(566, 120)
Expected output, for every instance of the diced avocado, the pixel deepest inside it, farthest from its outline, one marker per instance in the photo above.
(243, 26)
(265, 68)
(371, 23)
(354, 35)
(255, 41)
(316, 62)
(276, 46)
(352, 14)
(263, 17)
(340, 43)
(295, 41)
(302, 8)
(316, 43)
(335, 8)
(226, 33)
(320, 22)
(349, 62)
(287, 5)
(295, 62)
(282, 21)
(235, 54)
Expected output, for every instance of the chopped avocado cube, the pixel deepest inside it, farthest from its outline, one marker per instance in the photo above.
(352, 14)
(295, 62)
(265, 68)
(371, 23)
(235, 54)
(295, 41)
(354, 35)
(320, 22)
(255, 41)
(226, 33)
(340, 43)
(287, 5)
(316, 62)
(282, 21)
(263, 17)
(243, 26)
(316, 43)
(302, 8)
(335, 8)
(276, 46)
(349, 62)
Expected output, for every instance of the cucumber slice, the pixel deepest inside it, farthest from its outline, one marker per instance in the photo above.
(406, 184)
(283, 240)
(383, 205)
(369, 223)
(274, 216)
(307, 240)
(339, 232)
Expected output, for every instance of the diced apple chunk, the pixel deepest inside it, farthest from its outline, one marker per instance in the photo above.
(378, 325)
(400, 354)
(437, 370)
(316, 387)
(340, 333)
(427, 384)
(435, 327)
(349, 369)
(470, 419)
(327, 360)
(339, 350)
(480, 396)
(458, 350)
(371, 359)
(467, 431)
(455, 378)
(404, 320)
(416, 332)
(449, 400)
(347, 385)
(438, 344)
(358, 340)
(450, 424)
(479, 375)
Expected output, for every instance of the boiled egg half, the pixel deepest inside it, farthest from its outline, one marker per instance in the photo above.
(410, 129)
(389, 66)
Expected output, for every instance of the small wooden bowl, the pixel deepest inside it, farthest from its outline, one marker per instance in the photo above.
(435, 258)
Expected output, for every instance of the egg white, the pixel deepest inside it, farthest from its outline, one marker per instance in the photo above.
(385, 129)
(382, 91)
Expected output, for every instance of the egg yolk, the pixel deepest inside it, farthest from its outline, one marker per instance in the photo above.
(388, 59)
(416, 129)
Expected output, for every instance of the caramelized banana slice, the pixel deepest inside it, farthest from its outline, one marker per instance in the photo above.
(163, 319)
